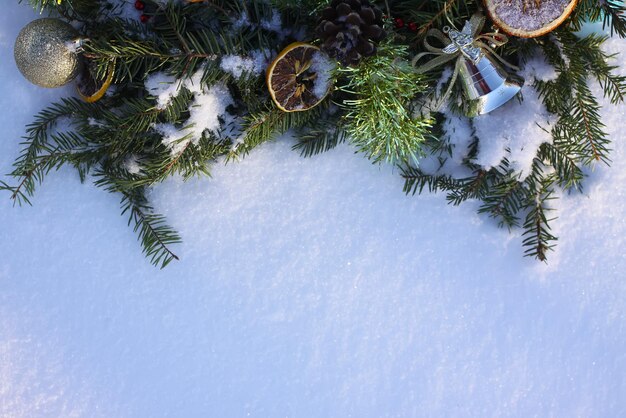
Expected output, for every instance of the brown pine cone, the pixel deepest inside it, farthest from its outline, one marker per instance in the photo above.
(350, 29)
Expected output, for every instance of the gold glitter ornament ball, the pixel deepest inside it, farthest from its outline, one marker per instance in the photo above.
(44, 55)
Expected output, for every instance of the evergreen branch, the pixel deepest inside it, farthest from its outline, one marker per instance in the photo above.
(378, 119)
(536, 226)
(69, 9)
(436, 17)
(155, 235)
(268, 124)
(322, 139)
(41, 149)
(584, 121)
(192, 160)
(591, 139)
(416, 180)
(568, 173)
(432, 13)
(611, 12)
(504, 198)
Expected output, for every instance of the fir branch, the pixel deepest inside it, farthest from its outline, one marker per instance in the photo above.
(316, 141)
(611, 12)
(432, 13)
(155, 235)
(192, 161)
(266, 125)
(570, 175)
(585, 110)
(178, 44)
(505, 196)
(416, 180)
(536, 226)
(378, 119)
(30, 168)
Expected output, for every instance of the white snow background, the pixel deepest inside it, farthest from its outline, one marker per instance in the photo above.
(307, 288)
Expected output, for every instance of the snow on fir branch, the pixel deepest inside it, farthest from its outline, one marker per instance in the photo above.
(190, 89)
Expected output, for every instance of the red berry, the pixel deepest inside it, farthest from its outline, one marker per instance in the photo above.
(144, 18)
(413, 27)
(399, 23)
(140, 5)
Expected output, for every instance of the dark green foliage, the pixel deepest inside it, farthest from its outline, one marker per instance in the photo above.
(373, 106)
(180, 39)
(579, 140)
(102, 139)
(611, 12)
(324, 138)
(429, 14)
(266, 125)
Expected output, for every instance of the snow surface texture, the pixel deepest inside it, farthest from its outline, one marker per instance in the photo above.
(307, 288)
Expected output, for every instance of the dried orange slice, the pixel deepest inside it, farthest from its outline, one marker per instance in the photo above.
(299, 78)
(91, 89)
(529, 18)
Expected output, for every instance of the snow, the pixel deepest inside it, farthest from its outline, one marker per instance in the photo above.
(323, 67)
(459, 133)
(133, 165)
(307, 287)
(206, 112)
(517, 138)
(242, 21)
(239, 66)
(537, 68)
(274, 23)
(164, 87)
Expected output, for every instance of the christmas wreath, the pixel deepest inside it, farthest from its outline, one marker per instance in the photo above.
(169, 87)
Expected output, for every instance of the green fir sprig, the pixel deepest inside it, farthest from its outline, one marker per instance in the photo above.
(378, 116)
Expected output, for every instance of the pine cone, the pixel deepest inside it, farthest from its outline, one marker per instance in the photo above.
(350, 30)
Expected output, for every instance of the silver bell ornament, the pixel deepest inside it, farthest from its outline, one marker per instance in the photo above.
(45, 52)
(486, 83)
